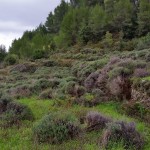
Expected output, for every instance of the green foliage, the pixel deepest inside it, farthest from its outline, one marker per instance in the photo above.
(40, 85)
(56, 128)
(124, 18)
(144, 17)
(53, 21)
(46, 94)
(143, 42)
(87, 21)
(2, 53)
(12, 112)
(11, 59)
(70, 26)
(108, 41)
(38, 54)
(16, 112)
(97, 22)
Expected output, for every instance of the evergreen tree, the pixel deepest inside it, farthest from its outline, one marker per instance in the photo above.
(144, 17)
(2, 52)
(97, 22)
(53, 21)
(71, 24)
(123, 17)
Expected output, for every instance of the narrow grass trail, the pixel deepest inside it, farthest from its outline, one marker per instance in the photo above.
(21, 139)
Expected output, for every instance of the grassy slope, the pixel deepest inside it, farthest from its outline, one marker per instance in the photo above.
(21, 139)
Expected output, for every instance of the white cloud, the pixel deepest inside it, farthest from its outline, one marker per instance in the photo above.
(16, 16)
(7, 26)
(6, 39)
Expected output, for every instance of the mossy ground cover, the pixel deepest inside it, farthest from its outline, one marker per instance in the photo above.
(21, 138)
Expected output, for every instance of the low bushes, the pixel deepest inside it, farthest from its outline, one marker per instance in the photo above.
(11, 59)
(41, 85)
(136, 109)
(16, 112)
(56, 128)
(38, 54)
(4, 100)
(12, 112)
(143, 42)
(20, 91)
(141, 72)
(46, 94)
(96, 121)
(117, 131)
(83, 69)
(26, 67)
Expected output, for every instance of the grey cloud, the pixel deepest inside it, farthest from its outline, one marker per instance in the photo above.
(28, 12)
(16, 16)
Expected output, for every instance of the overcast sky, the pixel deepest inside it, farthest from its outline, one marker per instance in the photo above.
(16, 16)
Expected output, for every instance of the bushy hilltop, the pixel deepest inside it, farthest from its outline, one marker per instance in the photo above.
(90, 57)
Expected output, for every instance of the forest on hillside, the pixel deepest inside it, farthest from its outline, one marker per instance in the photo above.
(79, 81)
(121, 24)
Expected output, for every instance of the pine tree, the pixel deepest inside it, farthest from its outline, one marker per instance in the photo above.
(123, 18)
(144, 17)
(53, 21)
(2, 52)
(97, 22)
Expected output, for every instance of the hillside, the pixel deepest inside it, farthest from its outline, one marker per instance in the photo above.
(80, 81)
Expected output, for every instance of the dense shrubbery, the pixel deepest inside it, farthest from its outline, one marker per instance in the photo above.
(56, 128)
(46, 94)
(2, 53)
(122, 131)
(12, 112)
(96, 121)
(143, 42)
(26, 67)
(11, 59)
(38, 54)
(137, 110)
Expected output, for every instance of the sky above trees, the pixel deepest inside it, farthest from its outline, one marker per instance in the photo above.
(16, 16)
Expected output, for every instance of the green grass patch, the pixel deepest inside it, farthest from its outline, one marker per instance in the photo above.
(21, 139)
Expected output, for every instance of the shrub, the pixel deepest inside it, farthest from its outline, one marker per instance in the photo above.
(56, 128)
(89, 83)
(122, 131)
(147, 57)
(20, 91)
(38, 54)
(136, 110)
(12, 112)
(46, 94)
(26, 67)
(141, 72)
(144, 42)
(80, 90)
(4, 100)
(49, 63)
(70, 88)
(119, 71)
(41, 85)
(11, 59)
(54, 82)
(83, 69)
(96, 121)
(16, 112)
(59, 94)
(98, 93)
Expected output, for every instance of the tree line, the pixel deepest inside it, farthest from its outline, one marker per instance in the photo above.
(84, 21)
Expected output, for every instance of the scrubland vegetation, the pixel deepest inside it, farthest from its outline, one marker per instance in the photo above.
(81, 81)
